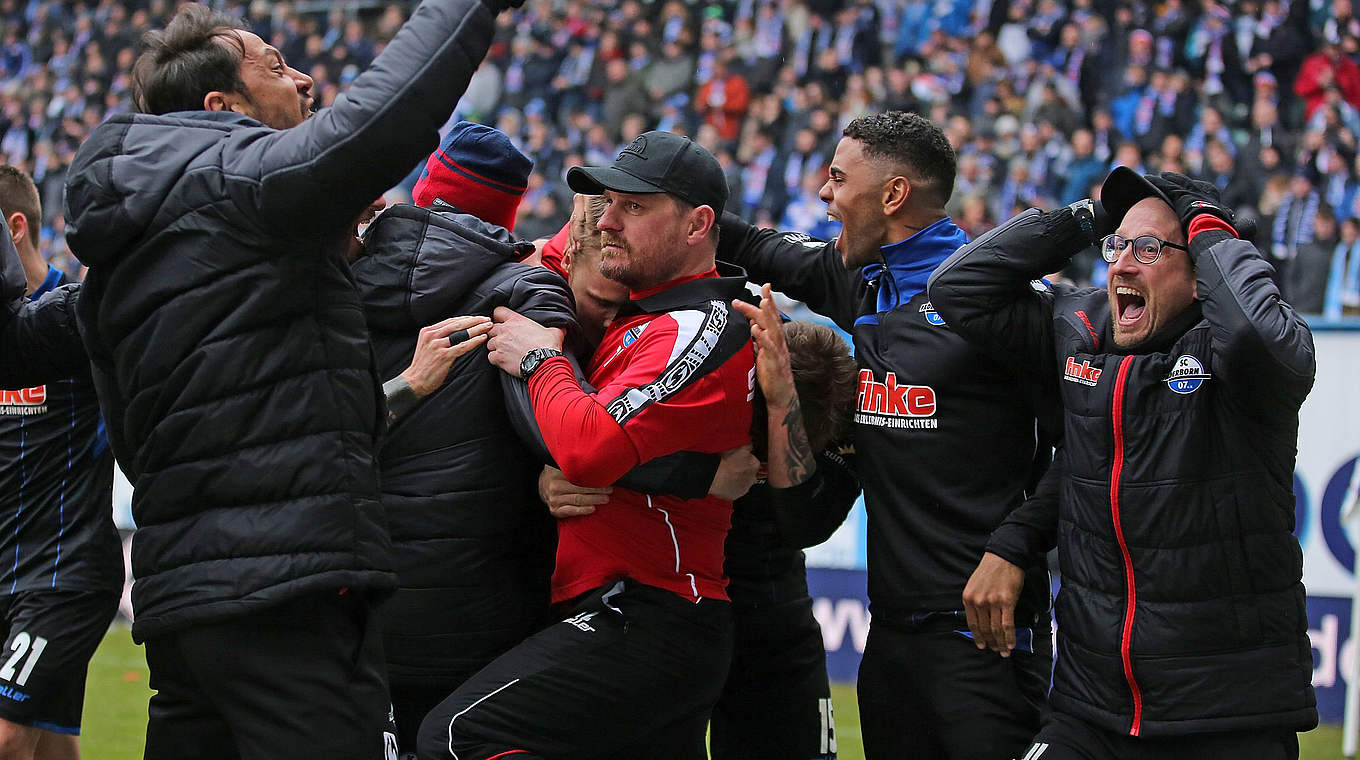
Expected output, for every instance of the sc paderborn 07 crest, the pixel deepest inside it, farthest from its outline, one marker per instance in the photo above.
(1186, 376)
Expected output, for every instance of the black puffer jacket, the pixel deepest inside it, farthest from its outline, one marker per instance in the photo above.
(473, 544)
(1182, 606)
(229, 347)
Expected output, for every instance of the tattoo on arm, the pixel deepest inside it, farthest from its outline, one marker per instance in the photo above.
(795, 456)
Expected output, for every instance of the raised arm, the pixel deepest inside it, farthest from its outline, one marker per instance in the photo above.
(1263, 350)
(324, 172)
(801, 266)
(985, 290)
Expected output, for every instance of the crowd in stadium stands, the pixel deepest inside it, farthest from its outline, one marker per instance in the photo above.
(1040, 98)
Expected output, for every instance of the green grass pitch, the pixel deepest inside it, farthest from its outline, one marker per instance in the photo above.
(117, 692)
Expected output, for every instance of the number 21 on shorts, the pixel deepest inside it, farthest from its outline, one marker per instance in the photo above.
(22, 644)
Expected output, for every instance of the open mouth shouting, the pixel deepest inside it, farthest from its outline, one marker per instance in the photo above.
(1130, 305)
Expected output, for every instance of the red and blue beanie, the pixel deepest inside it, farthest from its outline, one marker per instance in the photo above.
(477, 170)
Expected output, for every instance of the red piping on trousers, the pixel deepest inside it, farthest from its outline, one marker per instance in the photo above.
(1116, 471)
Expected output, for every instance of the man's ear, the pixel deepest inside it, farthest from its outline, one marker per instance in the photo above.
(895, 194)
(222, 101)
(569, 257)
(701, 223)
(18, 227)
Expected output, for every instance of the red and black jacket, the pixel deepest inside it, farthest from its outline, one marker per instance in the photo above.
(675, 372)
(1182, 606)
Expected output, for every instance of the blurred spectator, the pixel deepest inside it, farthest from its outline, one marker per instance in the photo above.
(1326, 70)
(1293, 224)
(1083, 169)
(1343, 278)
(1305, 287)
(773, 81)
(724, 99)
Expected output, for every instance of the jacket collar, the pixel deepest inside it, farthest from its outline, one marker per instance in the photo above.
(52, 280)
(908, 263)
(216, 117)
(725, 282)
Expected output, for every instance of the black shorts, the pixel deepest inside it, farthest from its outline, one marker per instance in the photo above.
(776, 703)
(632, 673)
(303, 678)
(929, 693)
(49, 640)
(1065, 737)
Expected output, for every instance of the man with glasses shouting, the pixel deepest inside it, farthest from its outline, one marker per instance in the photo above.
(1181, 627)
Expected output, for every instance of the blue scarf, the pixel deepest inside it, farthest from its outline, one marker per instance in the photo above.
(909, 263)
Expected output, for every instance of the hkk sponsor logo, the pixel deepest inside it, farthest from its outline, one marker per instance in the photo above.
(888, 404)
(1187, 376)
(23, 403)
(1082, 373)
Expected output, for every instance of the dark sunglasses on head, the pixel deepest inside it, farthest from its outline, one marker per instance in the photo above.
(1146, 248)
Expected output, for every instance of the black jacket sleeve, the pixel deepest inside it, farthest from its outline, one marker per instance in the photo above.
(1263, 350)
(542, 296)
(795, 264)
(1031, 529)
(984, 290)
(321, 174)
(39, 342)
(810, 512)
(687, 474)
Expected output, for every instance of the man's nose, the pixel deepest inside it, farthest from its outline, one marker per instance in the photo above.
(1125, 264)
(304, 82)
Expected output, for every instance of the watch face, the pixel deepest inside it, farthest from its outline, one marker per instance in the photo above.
(532, 360)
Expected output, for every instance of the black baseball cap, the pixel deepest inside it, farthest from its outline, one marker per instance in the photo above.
(1124, 188)
(658, 162)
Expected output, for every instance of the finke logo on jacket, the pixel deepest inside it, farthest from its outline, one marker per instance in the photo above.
(888, 404)
(1083, 373)
(23, 403)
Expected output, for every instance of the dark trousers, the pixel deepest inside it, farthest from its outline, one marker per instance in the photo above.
(633, 672)
(776, 704)
(304, 678)
(928, 693)
(1065, 737)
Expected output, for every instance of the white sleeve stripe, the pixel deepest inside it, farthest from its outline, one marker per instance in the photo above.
(698, 336)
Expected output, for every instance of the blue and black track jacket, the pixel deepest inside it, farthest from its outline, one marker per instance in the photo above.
(56, 477)
(945, 437)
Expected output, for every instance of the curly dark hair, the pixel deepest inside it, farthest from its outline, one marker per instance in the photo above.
(198, 52)
(915, 144)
